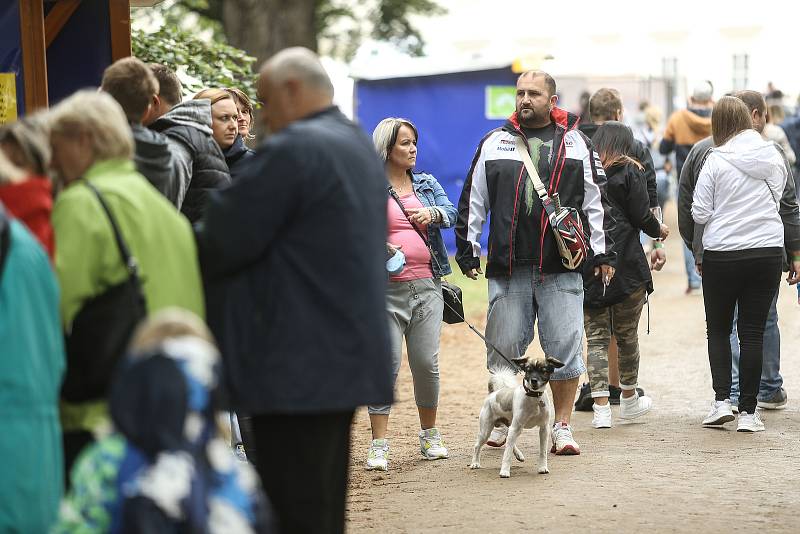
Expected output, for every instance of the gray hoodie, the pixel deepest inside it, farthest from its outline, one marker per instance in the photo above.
(154, 161)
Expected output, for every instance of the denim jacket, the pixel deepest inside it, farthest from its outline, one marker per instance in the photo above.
(431, 194)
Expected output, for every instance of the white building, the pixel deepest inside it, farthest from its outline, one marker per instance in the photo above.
(734, 44)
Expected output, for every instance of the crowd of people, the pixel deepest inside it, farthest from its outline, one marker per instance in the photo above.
(189, 324)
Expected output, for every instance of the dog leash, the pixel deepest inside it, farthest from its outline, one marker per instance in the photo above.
(514, 366)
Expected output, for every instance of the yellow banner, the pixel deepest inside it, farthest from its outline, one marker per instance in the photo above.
(8, 97)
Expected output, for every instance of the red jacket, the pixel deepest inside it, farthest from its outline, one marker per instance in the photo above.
(31, 202)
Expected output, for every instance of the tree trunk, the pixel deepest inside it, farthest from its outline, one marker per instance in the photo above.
(263, 27)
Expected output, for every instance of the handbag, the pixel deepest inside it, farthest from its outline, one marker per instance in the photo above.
(453, 311)
(102, 329)
(565, 221)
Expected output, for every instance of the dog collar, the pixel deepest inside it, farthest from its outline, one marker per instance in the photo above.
(533, 393)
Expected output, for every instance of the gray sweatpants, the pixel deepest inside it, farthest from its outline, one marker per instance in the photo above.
(415, 312)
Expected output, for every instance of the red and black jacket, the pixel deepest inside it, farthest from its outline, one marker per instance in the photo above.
(495, 184)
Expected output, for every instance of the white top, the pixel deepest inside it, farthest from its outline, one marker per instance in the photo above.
(738, 194)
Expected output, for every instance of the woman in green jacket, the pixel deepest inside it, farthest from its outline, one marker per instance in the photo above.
(92, 142)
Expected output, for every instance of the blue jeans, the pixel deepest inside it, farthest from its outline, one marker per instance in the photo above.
(771, 380)
(691, 270)
(515, 304)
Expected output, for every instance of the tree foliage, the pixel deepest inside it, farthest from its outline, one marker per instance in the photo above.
(342, 25)
(200, 55)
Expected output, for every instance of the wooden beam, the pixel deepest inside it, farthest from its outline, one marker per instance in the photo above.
(34, 57)
(120, 25)
(57, 18)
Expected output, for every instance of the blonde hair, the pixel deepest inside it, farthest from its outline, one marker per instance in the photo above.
(385, 135)
(215, 95)
(169, 323)
(99, 115)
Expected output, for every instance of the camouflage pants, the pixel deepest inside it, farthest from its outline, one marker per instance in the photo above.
(622, 321)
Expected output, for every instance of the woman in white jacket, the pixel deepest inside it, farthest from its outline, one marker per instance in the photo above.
(737, 198)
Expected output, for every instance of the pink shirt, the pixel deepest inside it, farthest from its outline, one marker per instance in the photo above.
(418, 258)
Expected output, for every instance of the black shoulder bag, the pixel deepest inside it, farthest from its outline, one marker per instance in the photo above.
(451, 294)
(102, 329)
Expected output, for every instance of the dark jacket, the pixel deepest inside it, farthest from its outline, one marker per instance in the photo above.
(188, 125)
(627, 195)
(684, 128)
(153, 159)
(494, 184)
(236, 156)
(692, 233)
(302, 238)
(641, 154)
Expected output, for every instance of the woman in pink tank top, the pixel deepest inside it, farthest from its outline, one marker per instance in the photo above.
(417, 209)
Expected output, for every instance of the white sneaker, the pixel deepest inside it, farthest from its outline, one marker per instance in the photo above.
(563, 442)
(378, 455)
(633, 407)
(431, 444)
(750, 423)
(720, 413)
(602, 416)
(498, 436)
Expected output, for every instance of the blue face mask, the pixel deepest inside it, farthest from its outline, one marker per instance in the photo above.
(396, 263)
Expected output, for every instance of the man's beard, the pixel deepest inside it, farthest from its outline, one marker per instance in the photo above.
(532, 117)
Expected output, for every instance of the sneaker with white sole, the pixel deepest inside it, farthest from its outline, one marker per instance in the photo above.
(633, 407)
(563, 442)
(750, 422)
(378, 455)
(431, 444)
(777, 401)
(498, 436)
(602, 416)
(720, 413)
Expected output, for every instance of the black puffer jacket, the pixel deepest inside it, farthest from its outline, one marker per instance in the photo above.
(627, 195)
(189, 126)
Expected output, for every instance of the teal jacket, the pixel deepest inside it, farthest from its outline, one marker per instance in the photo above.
(31, 368)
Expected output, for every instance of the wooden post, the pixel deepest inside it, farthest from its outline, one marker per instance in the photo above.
(34, 57)
(120, 22)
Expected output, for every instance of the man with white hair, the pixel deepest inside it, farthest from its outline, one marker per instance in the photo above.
(300, 242)
(685, 128)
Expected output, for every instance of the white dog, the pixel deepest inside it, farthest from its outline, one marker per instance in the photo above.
(518, 406)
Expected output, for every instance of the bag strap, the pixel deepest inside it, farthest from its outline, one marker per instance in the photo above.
(130, 262)
(533, 173)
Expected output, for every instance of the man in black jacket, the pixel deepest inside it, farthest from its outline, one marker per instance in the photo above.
(771, 394)
(134, 86)
(304, 230)
(527, 280)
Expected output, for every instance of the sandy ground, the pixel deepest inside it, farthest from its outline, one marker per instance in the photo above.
(663, 474)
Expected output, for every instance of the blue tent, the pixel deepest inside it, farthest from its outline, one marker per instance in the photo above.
(450, 111)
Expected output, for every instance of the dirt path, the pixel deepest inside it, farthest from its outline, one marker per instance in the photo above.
(665, 474)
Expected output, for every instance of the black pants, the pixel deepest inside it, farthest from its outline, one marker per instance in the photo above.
(302, 461)
(728, 279)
